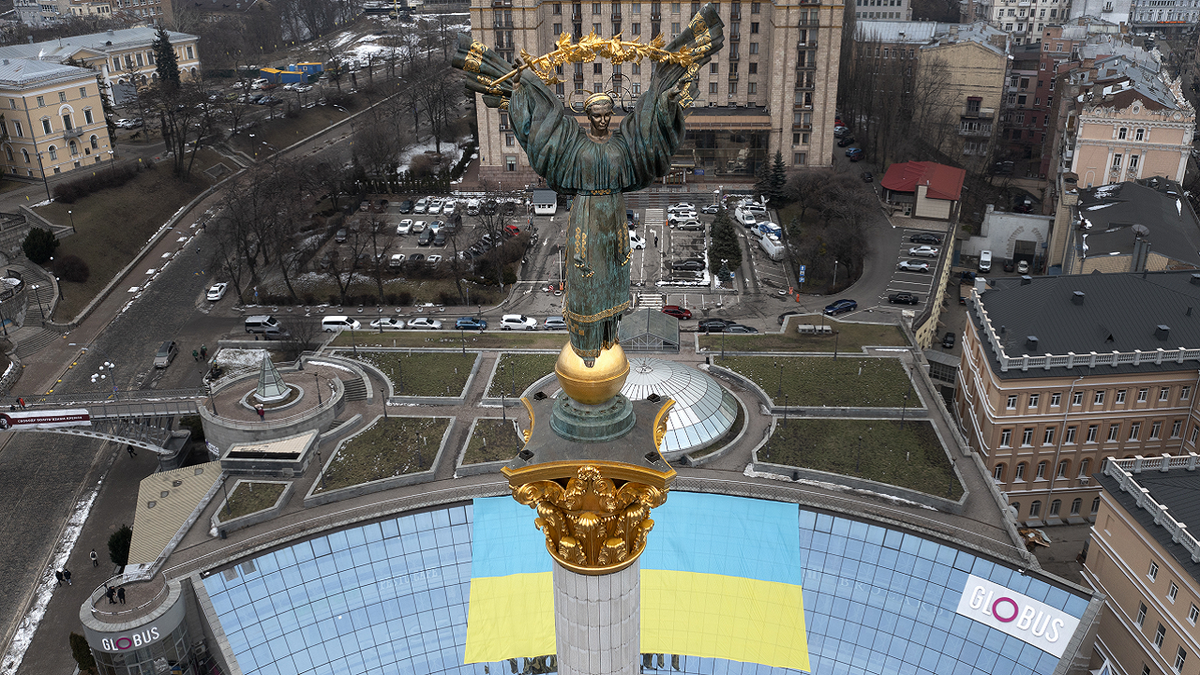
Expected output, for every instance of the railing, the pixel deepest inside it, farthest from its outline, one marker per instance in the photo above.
(107, 397)
(978, 112)
(1123, 470)
(733, 75)
(72, 133)
(131, 611)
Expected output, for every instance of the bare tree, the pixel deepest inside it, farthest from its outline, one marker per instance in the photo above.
(342, 268)
(186, 117)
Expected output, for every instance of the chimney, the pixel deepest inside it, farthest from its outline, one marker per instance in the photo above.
(1162, 331)
(1077, 297)
(1026, 280)
(6, 62)
(1196, 279)
(1031, 343)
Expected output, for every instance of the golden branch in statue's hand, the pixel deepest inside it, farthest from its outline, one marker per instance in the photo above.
(590, 47)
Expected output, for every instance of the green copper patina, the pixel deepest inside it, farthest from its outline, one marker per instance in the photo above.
(598, 165)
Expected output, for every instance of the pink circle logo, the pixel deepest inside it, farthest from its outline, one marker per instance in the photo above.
(996, 609)
(124, 643)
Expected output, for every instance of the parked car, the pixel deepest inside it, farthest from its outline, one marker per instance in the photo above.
(713, 325)
(913, 266)
(681, 206)
(426, 238)
(791, 312)
(924, 251)
(336, 323)
(688, 265)
(217, 291)
(948, 340)
(555, 323)
(840, 307)
(388, 323)
(470, 323)
(677, 312)
(636, 242)
(739, 328)
(846, 140)
(1023, 267)
(166, 354)
(435, 206)
(840, 130)
(433, 260)
(417, 226)
(422, 205)
(926, 238)
(439, 239)
(396, 261)
(711, 209)
(903, 299)
(425, 322)
(511, 230)
(416, 258)
(517, 321)
(985, 261)
(406, 206)
(855, 154)
(341, 235)
(690, 224)
(404, 227)
(867, 177)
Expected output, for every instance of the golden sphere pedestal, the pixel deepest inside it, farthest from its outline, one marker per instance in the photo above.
(595, 385)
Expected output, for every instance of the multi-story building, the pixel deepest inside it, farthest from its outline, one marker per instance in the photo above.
(772, 88)
(123, 57)
(1168, 16)
(1116, 12)
(1059, 372)
(1144, 557)
(882, 10)
(40, 13)
(1022, 19)
(1059, 45)
(1023, 124)
(52, 118)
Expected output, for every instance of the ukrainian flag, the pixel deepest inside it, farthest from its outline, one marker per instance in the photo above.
(721, 578)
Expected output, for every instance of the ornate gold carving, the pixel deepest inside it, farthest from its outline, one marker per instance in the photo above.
(591, 46)
(660, 423)
(592, 526)
(474, 57)
(529, 407)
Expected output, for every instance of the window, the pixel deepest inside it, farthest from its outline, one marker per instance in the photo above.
(712, 68)
(67, 125)
(1091, 435)
(41, 101)
(732, 88)
(1172, 592)
(1141, 615)
(1075, 506)
(1142, 394)
(1114, 430)
(755, 7)
(1035, 509)
(1048, 436)
(8, 153)
(510, 163)
(753, 48)
(597, 69)
(1155, 430)
(754, 28)
(1083, 466)
(1027, 437)
(1116, 163)
(1120, 393)
(1034, 399)
(74, 149)
(1055, 506)
(1055, 400)
(753, 66)
(87, 116)
(1139, 135)
(558, 29)
(1070, 437)
(636, 28)
(190, 53)
(752, 88)
(1153, 573)
(19, 130)
(1135, 430)
(1133, 161)
(674, 28)
(1012, 402)
(1099, 399)
(1005, 438)
(1016, 508)
(53, 152)
(94, 142)
(800, 158)
(713, 88)
(25, 155)
(1095, 505)
(1175, 428)
(1020, 475)
(46, 125)
(557, 8)
(1193, 615)
(1159, 635)
(1077, 398)
(998, 473)
(1185, 393)
(1041, 471)
(1180, 657)
(1122, 133)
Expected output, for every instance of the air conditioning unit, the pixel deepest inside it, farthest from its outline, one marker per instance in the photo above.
(1085, 480)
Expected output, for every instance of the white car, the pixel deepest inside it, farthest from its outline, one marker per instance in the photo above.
(913, 266)
(388, 323)
(422, 205)
(122, 123)
(405, 226)
(397, 260)
(636, 242)
(924, 251)
(433, 260)
(435, 206)
(418, 226)
(746, 218)
(688, 214)
(555, 323)
(303, 88)
(449, 207)
(217, 291)
(681, 206)
(425, 322)
(518, 322)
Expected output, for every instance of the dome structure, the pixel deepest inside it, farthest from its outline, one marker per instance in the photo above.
(704, 411)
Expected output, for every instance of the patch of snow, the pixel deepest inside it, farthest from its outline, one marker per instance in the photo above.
(833, 487)
(328, 364)
(450, 148)
(1097, 207)
(1105, 191)
(235, 358)
(1178, 206)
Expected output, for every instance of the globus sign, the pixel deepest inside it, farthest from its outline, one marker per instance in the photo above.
(1031, 621)
(131, 641)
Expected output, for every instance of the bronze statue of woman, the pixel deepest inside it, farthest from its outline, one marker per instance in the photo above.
(598, 166)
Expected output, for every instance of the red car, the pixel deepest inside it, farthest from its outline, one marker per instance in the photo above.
(677, 311)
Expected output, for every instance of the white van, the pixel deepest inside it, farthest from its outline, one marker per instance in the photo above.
(332, 324)
(985, 261)
(472, 207)
(263, 323)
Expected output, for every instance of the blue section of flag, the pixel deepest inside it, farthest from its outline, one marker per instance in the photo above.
(504, 540)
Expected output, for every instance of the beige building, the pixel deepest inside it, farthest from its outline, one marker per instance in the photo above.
(1059, 372)
(1143, 556)
(963, 73)
(53, 118)
(772, 88)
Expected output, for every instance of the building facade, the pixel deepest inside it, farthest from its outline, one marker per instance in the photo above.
(1052, 381)
(1144, 559)
(1021, 19)
(42, 13)
(882, 10)
(53, 118)
(772, 88)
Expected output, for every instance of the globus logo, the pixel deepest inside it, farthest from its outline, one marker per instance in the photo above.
(1016, 614)
(132, 641)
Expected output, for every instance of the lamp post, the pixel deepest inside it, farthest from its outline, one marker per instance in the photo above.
(463, 336)
(903, 411)
(317, 384)
(503, 412)
(45, 183)
(785, 409)
(836, 333)
(212, 401)
(779, 391)
(112, 157)
(72, 214)
(858, 457)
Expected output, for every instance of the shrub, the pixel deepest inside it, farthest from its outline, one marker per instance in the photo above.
(82, 653)
(118, 545)
(72, 268)
(69, 193)
(39, 245)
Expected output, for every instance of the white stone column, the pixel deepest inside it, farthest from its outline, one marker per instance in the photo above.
(597, 621)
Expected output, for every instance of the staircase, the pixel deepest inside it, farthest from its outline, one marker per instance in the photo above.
(356, 389)
(653, 301)
(32, 341)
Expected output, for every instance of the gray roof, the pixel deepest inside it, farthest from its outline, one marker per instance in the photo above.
(931, 33)
(21, 72)
(1109, 212)
(60, 50)
(1119, 312)
(647, 330)
(1175, 489)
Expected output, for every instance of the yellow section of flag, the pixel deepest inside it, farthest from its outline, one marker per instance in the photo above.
(510, 617)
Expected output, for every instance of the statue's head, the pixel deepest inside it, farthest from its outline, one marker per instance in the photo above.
(599, 107)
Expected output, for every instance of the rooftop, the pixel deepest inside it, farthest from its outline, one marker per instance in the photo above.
(21, 72)
(1123, 323)
(61, 50)
(945, 182)
(928, 33)
(1108, 214)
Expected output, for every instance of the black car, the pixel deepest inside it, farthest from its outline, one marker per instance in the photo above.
(903, 299)
(426, 238)
(439, 239)
(840, 306)
(867, 177)
(406, 206)
(416, 258)
(845, 140)
(926, 238)
(713, 325)
(948, 340)
(688, 265)
(739, 328)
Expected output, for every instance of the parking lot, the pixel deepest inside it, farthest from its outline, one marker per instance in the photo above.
(916, 263)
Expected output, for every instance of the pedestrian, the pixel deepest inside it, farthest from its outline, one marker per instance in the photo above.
(262, 414)
(95, 558)
(203, 352)
(22, 402)
(67, 575)
(129, 449)
(655, 240)
(195, 355)
(58, 574)
(110, 593)
(121, 594)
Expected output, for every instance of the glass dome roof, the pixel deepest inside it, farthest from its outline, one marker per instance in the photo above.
(703, 410)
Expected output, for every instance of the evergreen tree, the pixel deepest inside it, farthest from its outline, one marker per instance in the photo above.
(82, 653)
(39, 245)
(164, 60)
(724, 247)
(762, 180)
(118, 545)
(778, 180)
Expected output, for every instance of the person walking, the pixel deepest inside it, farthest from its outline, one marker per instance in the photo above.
(203, 352)
(196, 354)
(22, 402)
(58, 574)
(67, 575)
(129, 449)
(95, 558)
(262, 414)
(109, 591)
(121, 594)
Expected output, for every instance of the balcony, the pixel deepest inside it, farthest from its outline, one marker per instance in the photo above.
(501, 3)
(72, 133)
(810, 43)
(733, 76)
(616, 16)
(502, 23)
(735, 57)
(735, 37)
(979, 113)
(656, 16)
(975, 132)
(734, 16)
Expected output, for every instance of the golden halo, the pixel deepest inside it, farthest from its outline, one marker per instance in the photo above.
(598, 96)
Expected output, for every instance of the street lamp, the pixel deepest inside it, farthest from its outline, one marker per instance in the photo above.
(503, 412)
(858, 458)
(42, 167)
(72, 214)
(779, 391)
(317, 384)
(903, 411)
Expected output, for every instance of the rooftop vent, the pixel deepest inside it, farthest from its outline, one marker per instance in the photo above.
(1031, 342)
(1162, 331)
(1026, 280)
(1077, 297)
(1196, 279)
(6, 62)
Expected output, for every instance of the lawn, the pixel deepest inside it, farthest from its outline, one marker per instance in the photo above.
(112, 226)
(911, 457)
(490, 339)
(284, 131)
(520, 371)
(826, 381)
(251, 497)
(422, 373)
(494, 440)
(392, 446)
(851, 337)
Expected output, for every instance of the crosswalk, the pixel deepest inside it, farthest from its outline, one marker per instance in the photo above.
(653, 301)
